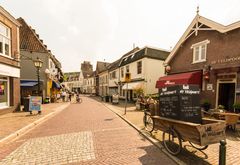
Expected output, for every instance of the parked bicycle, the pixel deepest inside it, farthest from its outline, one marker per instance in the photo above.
(147, 120)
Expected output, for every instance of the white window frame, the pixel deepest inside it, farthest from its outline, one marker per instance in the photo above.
(139, 62)
(8, 37)
(199, 45)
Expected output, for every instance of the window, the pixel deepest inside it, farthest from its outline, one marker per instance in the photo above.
(200, 51)
(5, 40)
(113, 74)
(139, 67)
(127, 69)
(122, 72)
(106, 79)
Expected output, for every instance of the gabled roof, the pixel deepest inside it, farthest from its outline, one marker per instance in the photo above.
(148, 52)
(29, 40)
(101, 66)
(114, 65)
(195, 25)
(9, 16)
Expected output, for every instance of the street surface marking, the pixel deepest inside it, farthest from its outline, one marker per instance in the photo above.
(59, 149)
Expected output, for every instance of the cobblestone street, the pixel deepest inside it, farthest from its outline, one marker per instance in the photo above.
(86, 133)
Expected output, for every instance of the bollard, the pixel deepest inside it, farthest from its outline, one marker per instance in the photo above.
(222, 153)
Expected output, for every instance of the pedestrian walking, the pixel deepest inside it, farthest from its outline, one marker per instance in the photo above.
(70, 96)
(63, 96)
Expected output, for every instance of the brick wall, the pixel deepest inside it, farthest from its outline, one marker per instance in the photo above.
(14, 83)
(221, 46)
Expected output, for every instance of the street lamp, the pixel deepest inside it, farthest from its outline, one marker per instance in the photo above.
(38, 64)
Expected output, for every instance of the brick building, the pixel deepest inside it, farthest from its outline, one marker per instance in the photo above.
(207, 54)
(9, 62)
(31, 48)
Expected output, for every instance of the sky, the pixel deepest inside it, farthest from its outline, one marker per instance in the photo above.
(104, 30)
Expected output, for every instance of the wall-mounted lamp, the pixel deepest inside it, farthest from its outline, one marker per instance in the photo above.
(206, 72)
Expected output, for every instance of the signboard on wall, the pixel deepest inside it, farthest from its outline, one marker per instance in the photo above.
(35, 103)
(209, 87)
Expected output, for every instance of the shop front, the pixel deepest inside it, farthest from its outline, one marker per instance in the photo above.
(9, 87)
(223, 87)
(4, 92)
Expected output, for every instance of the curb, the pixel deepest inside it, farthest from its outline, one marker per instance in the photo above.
(27, 128)
(147, 136)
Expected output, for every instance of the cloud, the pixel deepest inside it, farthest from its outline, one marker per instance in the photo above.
(73, 30)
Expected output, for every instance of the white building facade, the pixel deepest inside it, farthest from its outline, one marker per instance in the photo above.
(145, 67)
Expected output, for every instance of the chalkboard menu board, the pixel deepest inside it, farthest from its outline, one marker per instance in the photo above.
(180, 102)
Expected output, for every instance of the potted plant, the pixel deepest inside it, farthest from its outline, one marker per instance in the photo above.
(236, 107)
(205, 104)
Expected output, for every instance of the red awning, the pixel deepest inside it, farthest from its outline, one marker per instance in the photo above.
(194, 78)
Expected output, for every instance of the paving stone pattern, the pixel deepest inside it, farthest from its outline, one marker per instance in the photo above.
(107, 138)
(57, 149)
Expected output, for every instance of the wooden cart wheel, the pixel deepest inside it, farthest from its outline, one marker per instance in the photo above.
(198, 146)
(172, 141)
(148, 123)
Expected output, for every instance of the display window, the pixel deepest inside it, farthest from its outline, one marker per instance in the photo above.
(3, 92)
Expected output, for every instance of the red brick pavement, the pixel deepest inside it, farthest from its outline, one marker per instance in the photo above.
(189, 155)
(114, 141)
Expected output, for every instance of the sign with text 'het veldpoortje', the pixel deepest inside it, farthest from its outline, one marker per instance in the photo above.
(35, 103)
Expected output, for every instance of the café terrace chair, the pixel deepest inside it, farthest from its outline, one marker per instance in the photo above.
(231, 120)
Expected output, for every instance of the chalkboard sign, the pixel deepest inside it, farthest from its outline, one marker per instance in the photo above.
(180, 102)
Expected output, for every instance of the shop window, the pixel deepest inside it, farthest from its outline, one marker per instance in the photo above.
(3, 92)
(139, 67)
(200, 51)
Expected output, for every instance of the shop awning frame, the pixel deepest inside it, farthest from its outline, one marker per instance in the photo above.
(29, 83)
(132, 85)
(194, 78)
(56, 85)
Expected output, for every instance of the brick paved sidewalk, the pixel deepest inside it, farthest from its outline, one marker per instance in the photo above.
(188, 155)
(86, 133)
(12, 122)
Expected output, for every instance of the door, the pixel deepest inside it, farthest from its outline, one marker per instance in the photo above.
(226, 95)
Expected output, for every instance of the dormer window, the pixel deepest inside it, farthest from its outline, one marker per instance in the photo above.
(200, 51)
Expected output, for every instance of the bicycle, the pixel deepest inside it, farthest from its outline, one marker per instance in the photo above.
(148, 121)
